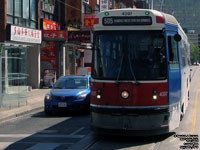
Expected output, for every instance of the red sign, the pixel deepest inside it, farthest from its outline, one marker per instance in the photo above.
(50, 25)
(89, 21)
(54, 35)
(79, 36)
(48, 55)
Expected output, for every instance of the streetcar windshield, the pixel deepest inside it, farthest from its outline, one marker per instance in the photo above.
(125, 55)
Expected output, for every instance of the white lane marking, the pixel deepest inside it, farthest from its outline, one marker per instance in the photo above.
(77, 131)
(41, 136)
(44, 146)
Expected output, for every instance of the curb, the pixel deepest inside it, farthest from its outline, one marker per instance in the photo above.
(18, 112)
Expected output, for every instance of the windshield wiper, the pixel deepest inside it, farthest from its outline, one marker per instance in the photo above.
(132, 72)
(120, 68)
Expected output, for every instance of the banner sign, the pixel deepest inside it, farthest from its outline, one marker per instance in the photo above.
(50, 25)
(27, 35)
(48, 55)
(54, 35)
(79, 36)
(89, 21)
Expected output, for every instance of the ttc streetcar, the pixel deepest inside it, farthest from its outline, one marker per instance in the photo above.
(140, 72)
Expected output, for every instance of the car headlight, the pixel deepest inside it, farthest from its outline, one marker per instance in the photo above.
(82, 96)
(48, 97)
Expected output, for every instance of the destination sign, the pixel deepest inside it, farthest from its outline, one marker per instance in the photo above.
(127, 21)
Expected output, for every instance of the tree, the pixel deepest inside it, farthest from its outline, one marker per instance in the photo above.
(194, 53)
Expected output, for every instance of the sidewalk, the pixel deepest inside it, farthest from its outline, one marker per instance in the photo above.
(35, 101)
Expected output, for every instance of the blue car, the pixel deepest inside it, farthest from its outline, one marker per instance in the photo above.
(68, 93)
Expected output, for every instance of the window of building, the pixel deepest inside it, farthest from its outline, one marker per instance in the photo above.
(22, 12)
(18, 8)
(10, 7)
(10, 19)
(41, 14)
(26, 9)
(33, 10)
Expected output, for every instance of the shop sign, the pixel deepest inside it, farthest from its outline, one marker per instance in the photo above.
(89, 21)
(46, 7)
(103, 5)
(54, 35)
(50, 25)
(79, 36)
(27, 35)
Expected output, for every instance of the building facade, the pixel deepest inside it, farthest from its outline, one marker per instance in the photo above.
(185, 11)
(40, 41)
(20, 49)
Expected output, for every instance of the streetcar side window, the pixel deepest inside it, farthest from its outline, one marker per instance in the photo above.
(173, 53)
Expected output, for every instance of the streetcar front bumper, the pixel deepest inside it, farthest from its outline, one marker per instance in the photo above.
(134, 122)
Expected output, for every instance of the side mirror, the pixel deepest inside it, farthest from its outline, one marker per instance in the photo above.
(177, 37)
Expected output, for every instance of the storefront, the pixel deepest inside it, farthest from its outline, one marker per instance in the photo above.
(78, 58)
(16, 65)
(52, 56)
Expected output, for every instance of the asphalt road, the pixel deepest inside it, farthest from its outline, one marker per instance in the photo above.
(37, 131)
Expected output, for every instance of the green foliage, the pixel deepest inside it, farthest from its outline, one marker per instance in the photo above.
(194, 53)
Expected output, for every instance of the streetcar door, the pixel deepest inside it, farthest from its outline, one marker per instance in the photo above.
(174, 70)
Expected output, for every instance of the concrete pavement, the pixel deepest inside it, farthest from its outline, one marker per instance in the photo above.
(35, 101)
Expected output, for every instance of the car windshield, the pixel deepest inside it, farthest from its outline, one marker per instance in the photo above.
(129, 55)
(71, 83)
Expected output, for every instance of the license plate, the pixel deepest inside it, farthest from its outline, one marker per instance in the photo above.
(62, 104)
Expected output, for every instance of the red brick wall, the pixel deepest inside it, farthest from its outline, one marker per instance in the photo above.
(3, 20)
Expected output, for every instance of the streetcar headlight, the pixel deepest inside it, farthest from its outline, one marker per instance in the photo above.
(125, 94)
(98, 96)
(154, 97)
